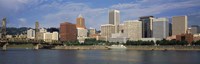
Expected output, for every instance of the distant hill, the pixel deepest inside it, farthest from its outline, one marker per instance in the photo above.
(15, 31)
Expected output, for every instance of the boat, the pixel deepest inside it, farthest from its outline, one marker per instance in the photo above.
(117, 47)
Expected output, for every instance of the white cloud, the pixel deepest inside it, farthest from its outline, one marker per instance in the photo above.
(22, 22)
(97, 16)
(68, 11)
(14, 6)
(151, 7)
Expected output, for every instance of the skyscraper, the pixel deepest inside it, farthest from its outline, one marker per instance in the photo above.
(114, 18)
(68, 32)
(160, 28)
(81, 29)
(80, 22)
(133, 29)
(179, 25)
(147, 22)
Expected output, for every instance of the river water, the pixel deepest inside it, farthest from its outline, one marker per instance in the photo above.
(43, 56)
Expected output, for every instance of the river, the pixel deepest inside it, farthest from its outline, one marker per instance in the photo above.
(44, 56)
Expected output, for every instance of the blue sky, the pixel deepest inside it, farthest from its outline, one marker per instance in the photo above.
(50, 13)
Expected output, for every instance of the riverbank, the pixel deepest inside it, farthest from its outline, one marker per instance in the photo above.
(163, 47)
(25, 46)
(130, 47)
(81, 47)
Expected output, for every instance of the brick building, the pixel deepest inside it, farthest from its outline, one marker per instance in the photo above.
(185, 37)
(68, 32)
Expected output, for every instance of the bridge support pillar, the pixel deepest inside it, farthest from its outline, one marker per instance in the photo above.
(37, 46)
(5, 46)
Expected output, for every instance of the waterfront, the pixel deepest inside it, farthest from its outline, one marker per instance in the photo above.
(44, 56)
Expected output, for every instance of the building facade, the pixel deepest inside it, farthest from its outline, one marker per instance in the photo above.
(82, 34)
(41, 33)
(133, 29)
(91, 31)
(195, 29)
(47, 37)
(160, 28)
(147, 26)
(31, 34)
(107, 30)
(121, 28)
(68, 32)
(185, 37)
(80, 22)
(179, 25)
(55, 36)
(114, 18)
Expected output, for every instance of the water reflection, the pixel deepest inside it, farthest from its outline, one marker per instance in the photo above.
(21, 56)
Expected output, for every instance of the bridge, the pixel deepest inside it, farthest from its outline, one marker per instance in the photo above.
(4, 42)
(38, 44)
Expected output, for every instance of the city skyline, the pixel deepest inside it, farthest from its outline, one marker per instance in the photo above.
(24, 13)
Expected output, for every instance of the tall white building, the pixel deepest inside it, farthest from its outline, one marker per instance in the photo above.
(107, 30)
(48, 37)
(160, 28)
(133, 29)
(114, 18)
(55, 36)
(30, 34)
(82, 34)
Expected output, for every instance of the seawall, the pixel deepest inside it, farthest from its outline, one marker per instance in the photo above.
(131, 47)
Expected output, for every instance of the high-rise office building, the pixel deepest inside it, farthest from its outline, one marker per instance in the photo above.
(68, 32)
(160, 28)
(133, 29)
(195, 29)
(31, 34)
(107, 30)
(81, 29)
(179, 25)
(147, 22)
(80, 22)
(114, 18)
